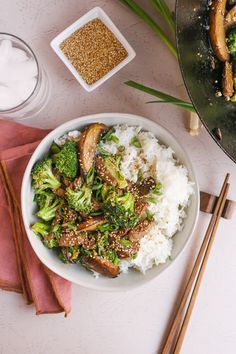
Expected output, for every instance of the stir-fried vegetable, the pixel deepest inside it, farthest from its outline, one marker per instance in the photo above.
(48, 204)
(119, 210)
(80, 200)
(87, 210)
(108, 168)
(66, 160)
(43, 177)
(43, 231)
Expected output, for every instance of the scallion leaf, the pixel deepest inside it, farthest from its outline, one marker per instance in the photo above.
(149, 215)
(135, 142)
(140, 176)
(90, 176)
(135, 256)
(110, 136)
(102, 151)
(149, 20)
(107, 136)
(157, 189)
(116, 261)
(163, 96)
(164, 11)
(151, 200)
(125, 242)
(96, 213)
(71, 225)
(115, 139)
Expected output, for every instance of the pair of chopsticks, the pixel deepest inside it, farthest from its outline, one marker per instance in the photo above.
(179, 325)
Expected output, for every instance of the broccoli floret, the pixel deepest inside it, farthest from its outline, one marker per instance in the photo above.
(43, 231)
(52, 240)
(39, 199)
(66, 160)
(54, 149)
(119, 210)
(80, 200)
(48, 204)
(51, 243)
(43, 177)
(56, 230)
(231, 42)
(233, 98)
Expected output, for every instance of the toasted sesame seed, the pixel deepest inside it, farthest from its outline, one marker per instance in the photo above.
(93, 50)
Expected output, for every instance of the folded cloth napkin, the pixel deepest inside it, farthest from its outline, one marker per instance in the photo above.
(20, 269)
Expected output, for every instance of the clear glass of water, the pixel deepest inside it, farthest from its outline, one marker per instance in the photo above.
(24, 85)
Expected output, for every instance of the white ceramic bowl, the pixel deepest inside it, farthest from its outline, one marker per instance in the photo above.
(96, 12)
(76, 273)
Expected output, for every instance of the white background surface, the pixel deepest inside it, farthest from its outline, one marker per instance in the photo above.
(136, 321)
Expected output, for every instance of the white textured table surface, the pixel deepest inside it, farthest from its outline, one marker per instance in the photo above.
(136, 321)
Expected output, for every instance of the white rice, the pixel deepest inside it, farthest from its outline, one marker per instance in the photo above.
(156, 160)
(73, 135)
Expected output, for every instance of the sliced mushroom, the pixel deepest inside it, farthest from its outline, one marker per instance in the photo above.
(57, 219)
(143, 188)
(87, 145)
(115, 236)
(91, 224)
(77, 183)
(128, 251)
(141, 207)
(101, 265)
(123, 250)
(60, 192)
(71, 239)
(66, 181)
(56, 173)
(72, 236)
(227, 80)
(96, 205)
(69, 215)
(217, 30)
(103, 172)
(146, 185)
(230, 18)
(108, 170)
(140, 230)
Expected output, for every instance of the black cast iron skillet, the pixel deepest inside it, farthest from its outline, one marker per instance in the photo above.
(202, 72)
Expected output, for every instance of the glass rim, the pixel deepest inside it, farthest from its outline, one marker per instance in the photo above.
(37, 64)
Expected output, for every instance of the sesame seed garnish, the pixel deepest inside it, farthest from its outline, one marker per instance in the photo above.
(93, 50)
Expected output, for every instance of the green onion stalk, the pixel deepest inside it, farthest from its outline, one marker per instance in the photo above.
(163, 10)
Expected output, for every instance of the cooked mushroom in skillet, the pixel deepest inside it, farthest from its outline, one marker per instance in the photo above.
(223, 42)
(217, 30)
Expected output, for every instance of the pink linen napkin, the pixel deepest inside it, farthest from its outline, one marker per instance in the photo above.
(20, 269)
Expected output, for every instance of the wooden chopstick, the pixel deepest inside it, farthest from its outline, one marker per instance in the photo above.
(199, 278)
(178, 316)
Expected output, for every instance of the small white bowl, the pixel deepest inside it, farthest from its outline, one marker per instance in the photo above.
(96, 12)
(79, 274)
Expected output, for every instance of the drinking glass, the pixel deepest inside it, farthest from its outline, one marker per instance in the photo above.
(27, 95)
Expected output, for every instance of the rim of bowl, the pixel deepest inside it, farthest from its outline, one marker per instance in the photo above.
(38, 73)
(88, 118)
